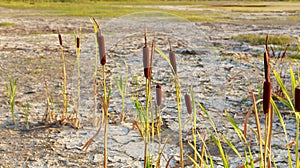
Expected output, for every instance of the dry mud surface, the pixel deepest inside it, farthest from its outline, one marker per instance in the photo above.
(220, 70)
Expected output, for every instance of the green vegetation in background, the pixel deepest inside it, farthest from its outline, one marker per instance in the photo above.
(6, 24)
(257, 39)
(200, 10)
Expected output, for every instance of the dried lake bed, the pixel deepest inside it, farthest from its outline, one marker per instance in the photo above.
(220, 70)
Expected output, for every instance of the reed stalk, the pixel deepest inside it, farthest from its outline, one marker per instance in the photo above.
(158, 119)
(268, 111)
(147, 74)
(105, 98)
(96, 29)
(78, 74)
(297, 110)
(64, 88)
(172, 59)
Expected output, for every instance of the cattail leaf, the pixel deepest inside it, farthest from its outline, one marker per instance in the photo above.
(284, 90)
(158, 95)
(188, 103)
(267, 96)
(231, 146)
(293, 80)
(236, 127)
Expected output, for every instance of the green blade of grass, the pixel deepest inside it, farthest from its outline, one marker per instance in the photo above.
(283, 88)
(293, 80)
(236, 128)
(231, 146)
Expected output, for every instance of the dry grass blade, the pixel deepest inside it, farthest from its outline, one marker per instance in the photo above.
(89, 142)
(246, 121)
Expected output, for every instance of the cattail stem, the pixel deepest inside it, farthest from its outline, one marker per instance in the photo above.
(64, 89)
(178, 100)
(158, 118)
(147, 123)
(105, 111)
(257, 125)
(78, 74)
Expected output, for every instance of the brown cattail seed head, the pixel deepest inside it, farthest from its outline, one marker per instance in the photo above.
(146, 62)
(77, 42)
(266, 66)
(101, 47)
(173, 61)
(59, 39)
(267, 93)
(297, 98)
(188, 103)
(158, 95)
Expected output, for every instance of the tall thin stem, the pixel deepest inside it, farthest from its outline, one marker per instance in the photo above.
(105, 111)
(178, 100)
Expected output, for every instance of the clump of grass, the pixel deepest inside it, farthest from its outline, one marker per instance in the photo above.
(26, 113)
(11, 91)
(122, 86)
(5, 24)
(257, 39)
(49, 116)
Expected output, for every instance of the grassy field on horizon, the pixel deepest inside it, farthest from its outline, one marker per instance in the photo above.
(190, 10)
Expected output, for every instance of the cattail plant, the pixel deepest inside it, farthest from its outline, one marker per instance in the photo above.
(96, 29)
(267, 93)
(172, 63)
(78, 74)
(11, 94)
(64, 88)
(106, 95)
(172, 59)
(191, 108)
(105, 98)
(147, 74)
